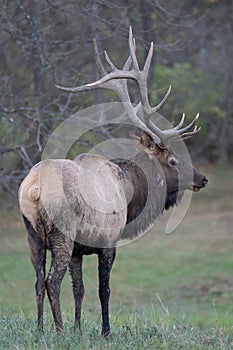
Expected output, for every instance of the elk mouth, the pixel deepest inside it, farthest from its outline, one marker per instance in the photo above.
(201, 182)
(196, 188)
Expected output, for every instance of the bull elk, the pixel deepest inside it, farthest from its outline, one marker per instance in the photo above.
(86, 205)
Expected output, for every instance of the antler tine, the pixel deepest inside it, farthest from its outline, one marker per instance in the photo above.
(181, 122)
(188, 127)
(175, 134)
(164, 99)
(74, 89)
(128, 62)
(132, 49)
(189, 134)
(153, 126)
(147, 64)
(101, 69)
(111, 64)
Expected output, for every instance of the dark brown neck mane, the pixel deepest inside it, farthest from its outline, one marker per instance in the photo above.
(150, 196)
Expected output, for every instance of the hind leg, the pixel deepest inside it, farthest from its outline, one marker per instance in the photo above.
(61, 250)
(38, 259)
(78, 287)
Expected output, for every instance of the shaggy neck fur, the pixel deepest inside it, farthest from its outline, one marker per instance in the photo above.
(171, 199)
(150, 196)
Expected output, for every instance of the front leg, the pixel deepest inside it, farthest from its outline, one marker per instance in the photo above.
(78, 287)
(106, 258)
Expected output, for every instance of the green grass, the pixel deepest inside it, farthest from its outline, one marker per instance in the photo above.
(137, 333)
(168, 291)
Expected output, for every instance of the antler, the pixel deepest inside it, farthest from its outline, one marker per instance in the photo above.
(116, 80)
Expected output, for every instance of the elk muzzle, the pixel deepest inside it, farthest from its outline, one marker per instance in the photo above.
(199, 180)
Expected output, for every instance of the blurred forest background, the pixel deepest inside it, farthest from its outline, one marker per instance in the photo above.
(44, 42)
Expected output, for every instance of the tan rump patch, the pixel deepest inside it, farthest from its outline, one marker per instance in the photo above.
(34, 193)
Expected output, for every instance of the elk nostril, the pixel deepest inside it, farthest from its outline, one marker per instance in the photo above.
(205, 181)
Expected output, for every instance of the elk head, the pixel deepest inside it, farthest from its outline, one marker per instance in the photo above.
(179, 173)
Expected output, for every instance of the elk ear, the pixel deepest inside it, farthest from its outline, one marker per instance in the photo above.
(146, 140)
(152, 147)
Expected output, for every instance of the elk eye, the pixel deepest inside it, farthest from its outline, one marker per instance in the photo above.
(172, 162)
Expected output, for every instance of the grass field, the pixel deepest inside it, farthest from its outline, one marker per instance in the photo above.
(168, 291)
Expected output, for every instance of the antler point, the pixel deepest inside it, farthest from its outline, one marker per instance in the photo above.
(130, 32)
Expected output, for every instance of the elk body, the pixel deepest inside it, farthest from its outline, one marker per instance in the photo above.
(86, 205)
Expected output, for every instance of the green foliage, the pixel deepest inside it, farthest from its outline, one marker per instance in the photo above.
(135, 333)
(192, 92)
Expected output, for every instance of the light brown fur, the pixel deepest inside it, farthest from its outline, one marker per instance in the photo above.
(88, 189)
